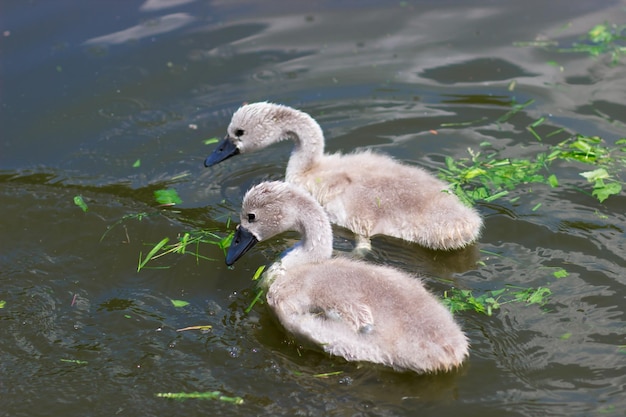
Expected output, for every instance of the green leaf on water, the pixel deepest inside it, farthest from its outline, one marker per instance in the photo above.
(78, 200)
(168, 197)
(179, 303)
(596, 174)
(603, 191)
(600, 33)
(553, 181)
(258, 272)
(565, 336)
(560, 273)
(210, 141)
(533, 296)
(2, 303)
(137, 163)
(474, 172)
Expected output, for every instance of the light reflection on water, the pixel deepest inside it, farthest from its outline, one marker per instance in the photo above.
(82, 102)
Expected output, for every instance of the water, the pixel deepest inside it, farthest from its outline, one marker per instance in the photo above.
(90, 88)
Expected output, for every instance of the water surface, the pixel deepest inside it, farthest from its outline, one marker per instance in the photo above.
(113, 100)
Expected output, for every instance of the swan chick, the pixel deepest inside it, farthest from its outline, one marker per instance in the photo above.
(368, 193)
(348, 308)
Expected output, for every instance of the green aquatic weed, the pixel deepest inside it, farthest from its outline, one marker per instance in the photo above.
(210, 141)
(167, 197)
(602, 189)
(179, 303)
(151, 254)
(604, 38)
(461, 300)
(80, 202)
(188, 239)
(487, 176)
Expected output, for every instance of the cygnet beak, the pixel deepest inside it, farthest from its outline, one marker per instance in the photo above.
(242, 242)
(224, 150)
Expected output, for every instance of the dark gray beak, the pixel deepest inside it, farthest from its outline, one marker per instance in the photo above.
(224, 150)
(242, 242)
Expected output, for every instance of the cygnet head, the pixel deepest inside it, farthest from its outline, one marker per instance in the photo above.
(258, 125)
(271, 208)
(253, 127)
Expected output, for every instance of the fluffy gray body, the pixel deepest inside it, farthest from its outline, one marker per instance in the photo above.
(348, 308)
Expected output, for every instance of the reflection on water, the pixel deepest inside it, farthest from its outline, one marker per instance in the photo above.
(112, 102)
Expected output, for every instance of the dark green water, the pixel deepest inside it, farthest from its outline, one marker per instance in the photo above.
(88, 88)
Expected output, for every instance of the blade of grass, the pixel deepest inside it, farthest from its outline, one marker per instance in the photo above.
(210, 395)
(151, 254)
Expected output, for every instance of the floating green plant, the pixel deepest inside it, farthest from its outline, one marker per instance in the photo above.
(181, 246)
(605, 38)
(462, 300)
(602, 39)
(179, 303)
(486, 176)
(167, 197)
(603, 184)
(80, 202)
(210, 141)
(560, 273)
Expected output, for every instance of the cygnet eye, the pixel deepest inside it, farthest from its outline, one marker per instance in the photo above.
(251, 217)
(239, 133)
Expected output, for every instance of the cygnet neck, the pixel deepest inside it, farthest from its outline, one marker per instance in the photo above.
(316, 244)
(308, 140)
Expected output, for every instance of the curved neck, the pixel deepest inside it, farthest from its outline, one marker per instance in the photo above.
(316, 242)
(308, 140)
